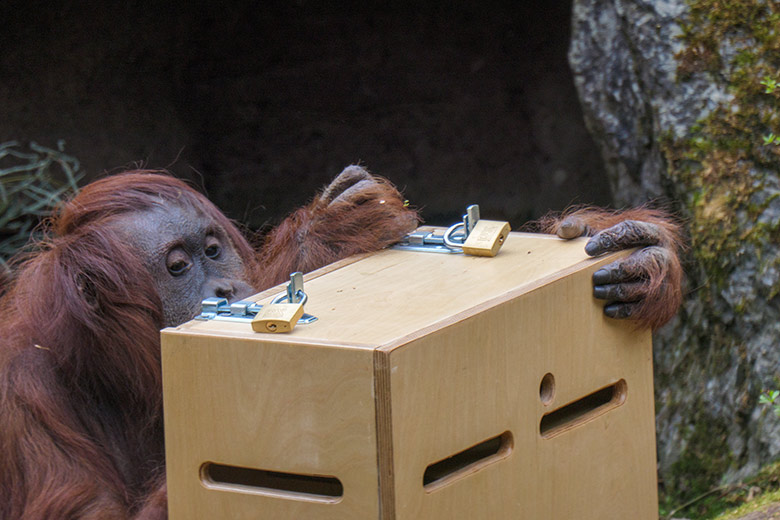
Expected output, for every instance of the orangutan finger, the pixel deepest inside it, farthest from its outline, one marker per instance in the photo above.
(637, 266)
(620, 310)
(621, 292)
(620, 271)
(571, 227)
(625, 235)
(348, 178)
(611, 273)
(356, 194)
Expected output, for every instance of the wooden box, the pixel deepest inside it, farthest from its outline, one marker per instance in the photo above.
(433, 386)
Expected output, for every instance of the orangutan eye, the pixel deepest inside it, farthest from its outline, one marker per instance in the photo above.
(213, 248)
(178, 262)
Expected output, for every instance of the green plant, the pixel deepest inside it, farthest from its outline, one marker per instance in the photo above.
(771, 398)
(770, 85)
(32, 182)
(771, 138)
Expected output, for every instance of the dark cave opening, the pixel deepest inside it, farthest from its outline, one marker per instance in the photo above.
(263, 103)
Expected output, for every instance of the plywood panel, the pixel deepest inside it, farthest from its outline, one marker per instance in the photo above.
(480, 377)
(274, 407)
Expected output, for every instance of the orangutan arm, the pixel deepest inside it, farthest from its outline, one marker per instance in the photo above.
(48, 469)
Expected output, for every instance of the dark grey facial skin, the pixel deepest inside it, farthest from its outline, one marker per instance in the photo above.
(189, 257)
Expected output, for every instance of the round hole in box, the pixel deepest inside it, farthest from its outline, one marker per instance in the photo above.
(547, 389)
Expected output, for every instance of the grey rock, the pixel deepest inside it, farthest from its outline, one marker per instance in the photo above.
(717, 356)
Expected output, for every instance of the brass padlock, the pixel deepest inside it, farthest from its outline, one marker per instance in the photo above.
(277, 317)
(486, 238)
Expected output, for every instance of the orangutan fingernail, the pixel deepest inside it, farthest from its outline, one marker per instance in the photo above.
(569, 230)
(601, 277)
(593, 247)
(618, 311)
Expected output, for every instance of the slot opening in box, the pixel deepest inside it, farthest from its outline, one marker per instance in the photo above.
(467, 462)
(294, 486)
(547, 389)
(583, 410)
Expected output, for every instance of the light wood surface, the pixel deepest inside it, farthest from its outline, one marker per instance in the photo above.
(263, 405)
(417, 357)
(480, 377)
(383, 298)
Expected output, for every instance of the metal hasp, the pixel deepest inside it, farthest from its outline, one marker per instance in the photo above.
(244, 311)
(472, 236)
(294, 292)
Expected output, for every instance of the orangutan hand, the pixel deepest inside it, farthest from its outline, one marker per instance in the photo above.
(646, 285)
(353, 184)
(358, 195)
(356, 213)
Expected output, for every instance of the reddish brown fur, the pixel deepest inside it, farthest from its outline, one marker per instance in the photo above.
(80, 396)
(5, 280)
(663, 272)
(80, 389)
(319, 233)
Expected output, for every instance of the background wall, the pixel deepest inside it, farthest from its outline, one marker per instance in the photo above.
(262, 103)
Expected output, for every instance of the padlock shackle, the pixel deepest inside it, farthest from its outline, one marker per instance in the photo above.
(301, 296)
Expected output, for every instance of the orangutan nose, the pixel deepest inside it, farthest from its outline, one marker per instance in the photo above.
(226, 288)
